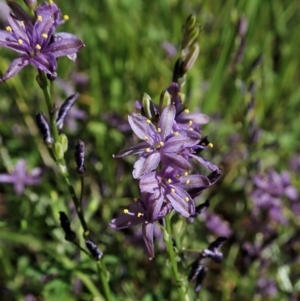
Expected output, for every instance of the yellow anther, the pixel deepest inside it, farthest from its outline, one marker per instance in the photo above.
(172, 190)
(146, 138)
(22, 23)
(158, 130)
(169, 181)
(190, 122)
(187, 182)
(38, 47)
(186, 199)
(140, 214)
(186, 111)
(175, 133)
(135, 200)
(148, 121)
(8, 28)
(210, 144)
(39, 18)
(66, 17)
(50, 2)
(44, 35)
(161, 143)
(20, 42)
(126, 211)
(147, 150)
(186, 173)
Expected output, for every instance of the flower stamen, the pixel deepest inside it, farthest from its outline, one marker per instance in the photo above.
(39, 18)
(8, 28)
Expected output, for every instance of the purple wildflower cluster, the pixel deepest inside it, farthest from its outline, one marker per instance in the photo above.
(166, 167)
(36, 40)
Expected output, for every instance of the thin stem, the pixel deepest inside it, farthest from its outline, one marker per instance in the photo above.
(104, 279)
(169, 243)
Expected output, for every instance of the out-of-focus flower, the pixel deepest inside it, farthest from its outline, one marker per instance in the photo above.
(266, 287)
(217, 225)
(269, 192)
(145, 210)
(21, 178)
(36, 40)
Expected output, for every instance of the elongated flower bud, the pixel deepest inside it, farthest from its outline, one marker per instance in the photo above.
(79, 157)
(64, 109)
(44, 128)
(32, 4)
(92, 247)
(65, 224)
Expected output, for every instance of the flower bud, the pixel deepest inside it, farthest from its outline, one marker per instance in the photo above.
(79, 157)
(44, 128)
(32, 4)
(92, 247)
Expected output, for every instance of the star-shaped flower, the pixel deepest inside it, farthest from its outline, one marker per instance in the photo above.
(36, 40)
(161, 143)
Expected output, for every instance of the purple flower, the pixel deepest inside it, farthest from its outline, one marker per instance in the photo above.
(20, 177)
(146, 210)
(161, 143)
(37, 41)
(171, 186)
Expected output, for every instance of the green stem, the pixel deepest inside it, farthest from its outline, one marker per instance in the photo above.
(183, 296)
(102, 272)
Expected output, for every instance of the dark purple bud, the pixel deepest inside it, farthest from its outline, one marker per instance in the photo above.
(195, 270)
(79, 157)
(178, 71)
(64, 109)
(65, 224)
(199, 279)
(44, 128)
(213, 250)
(32, 4)
(198, 210)
(92, 247)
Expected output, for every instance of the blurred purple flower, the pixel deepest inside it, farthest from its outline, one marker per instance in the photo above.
(217, 225)
(269, 192)
(36, 41)
(266, 287)
(169, 48)
(145, 210)
(20, 177)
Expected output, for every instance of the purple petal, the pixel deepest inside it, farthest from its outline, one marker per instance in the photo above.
(181, 202)
(137, 149)
(145, 164)
(148, 238)
(179, 142)
(194, 181)
(14, 68)
(198, 118)
(65, 44)
(45, 62)
(150, 182)
(141, 128)
(166, 121)
(7, 40)
(205, 163)
(176, 161)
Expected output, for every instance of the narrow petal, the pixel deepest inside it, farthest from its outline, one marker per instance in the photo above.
(198, 118)
(145, 164)
(205, 163)
(150, 182)
(148, 238)
(177, 143)
(137, 149)
(194, 181)
(181, 202)
(14, 68)
(176, 161)
(142, 128)
(7, 40)
(45, 62)
(65, 44)
(166, 121)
